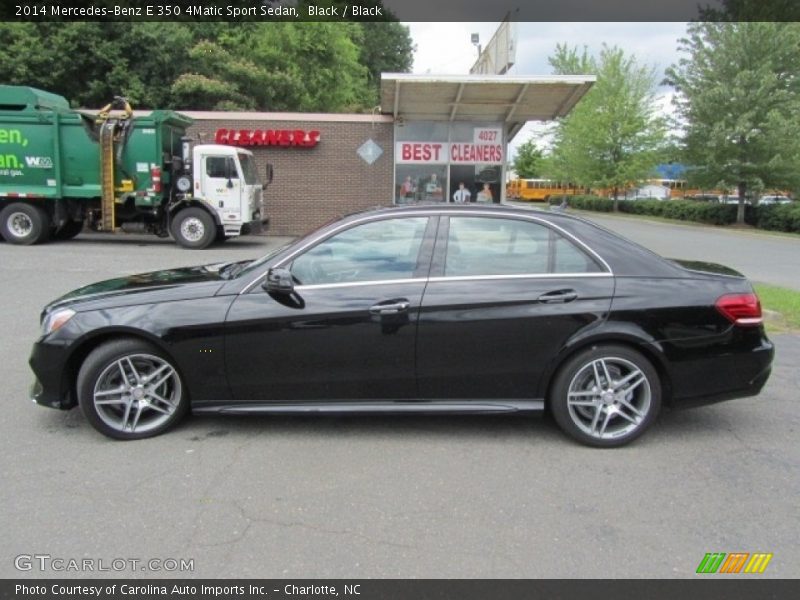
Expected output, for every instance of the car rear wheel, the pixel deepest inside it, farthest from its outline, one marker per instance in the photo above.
(606, 396)
(130, 390)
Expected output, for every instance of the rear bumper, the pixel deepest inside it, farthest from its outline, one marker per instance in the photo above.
(725, 376)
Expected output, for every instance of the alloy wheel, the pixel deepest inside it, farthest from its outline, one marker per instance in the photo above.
(137, 393)
(609, 397)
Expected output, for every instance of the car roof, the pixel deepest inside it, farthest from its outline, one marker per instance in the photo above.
(448, 208)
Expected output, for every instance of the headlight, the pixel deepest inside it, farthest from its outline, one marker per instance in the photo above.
(56, 319)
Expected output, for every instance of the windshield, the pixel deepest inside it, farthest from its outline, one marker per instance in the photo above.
(248, 168)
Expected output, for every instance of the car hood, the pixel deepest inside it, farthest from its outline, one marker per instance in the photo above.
(169, 284)
(707, 268)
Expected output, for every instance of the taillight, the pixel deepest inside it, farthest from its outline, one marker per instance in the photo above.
(155, 176)
(740, 309)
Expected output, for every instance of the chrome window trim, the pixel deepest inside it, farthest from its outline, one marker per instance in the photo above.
(347, 284)
(440, 213)
(516, 276)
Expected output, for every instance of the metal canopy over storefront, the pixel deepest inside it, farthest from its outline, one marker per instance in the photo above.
(509, 100)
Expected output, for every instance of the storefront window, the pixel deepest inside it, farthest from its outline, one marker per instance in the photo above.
(421, 183)
(448, 162)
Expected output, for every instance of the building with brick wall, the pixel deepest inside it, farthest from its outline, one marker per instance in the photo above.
(432, 136)
(312, 184)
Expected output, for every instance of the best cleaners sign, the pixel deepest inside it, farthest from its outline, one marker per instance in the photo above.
(486, 148)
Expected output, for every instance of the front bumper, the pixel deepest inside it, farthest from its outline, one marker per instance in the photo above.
(49, 364)
(256, 226)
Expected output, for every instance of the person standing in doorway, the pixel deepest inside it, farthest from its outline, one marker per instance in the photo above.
(462, 194)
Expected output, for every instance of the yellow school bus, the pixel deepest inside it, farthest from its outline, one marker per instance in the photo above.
(539, 190)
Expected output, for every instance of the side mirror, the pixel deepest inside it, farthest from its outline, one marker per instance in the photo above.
(270, 172)
(279, 281)
(230, 183)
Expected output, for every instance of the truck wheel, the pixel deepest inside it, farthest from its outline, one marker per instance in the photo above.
(68, 231)
(24, 224)
(194, 228)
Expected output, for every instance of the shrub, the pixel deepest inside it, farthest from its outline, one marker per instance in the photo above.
(582, 202)
(780, 217)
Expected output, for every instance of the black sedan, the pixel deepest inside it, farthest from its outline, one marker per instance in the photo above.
(438, 309)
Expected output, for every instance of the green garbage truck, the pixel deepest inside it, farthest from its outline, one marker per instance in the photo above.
(63, 171)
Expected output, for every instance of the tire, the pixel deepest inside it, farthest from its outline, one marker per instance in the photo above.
(596, 414)
(24, 224)
(194, 228)
(68, 231)
(132, 409)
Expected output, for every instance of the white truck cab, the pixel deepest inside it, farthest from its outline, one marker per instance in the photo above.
(220, 196)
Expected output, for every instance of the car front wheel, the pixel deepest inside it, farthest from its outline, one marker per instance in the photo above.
(129, 390)
(606, 396)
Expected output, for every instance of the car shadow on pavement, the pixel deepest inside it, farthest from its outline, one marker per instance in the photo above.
(698, 423)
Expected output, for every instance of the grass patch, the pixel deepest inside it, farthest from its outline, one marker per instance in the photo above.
(783, 301)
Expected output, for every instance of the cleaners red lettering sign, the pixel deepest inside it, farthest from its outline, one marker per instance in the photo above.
(267, 137)
(440, 153)
(476, 153)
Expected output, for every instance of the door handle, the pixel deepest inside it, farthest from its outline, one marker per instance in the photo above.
(393, 308)
(558, 296)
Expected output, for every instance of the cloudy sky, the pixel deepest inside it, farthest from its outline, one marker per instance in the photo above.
(445, 48)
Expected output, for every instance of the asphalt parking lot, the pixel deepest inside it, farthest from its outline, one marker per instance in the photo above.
(379, 496)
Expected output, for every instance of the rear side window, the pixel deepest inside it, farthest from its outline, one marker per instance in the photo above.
(483, 246)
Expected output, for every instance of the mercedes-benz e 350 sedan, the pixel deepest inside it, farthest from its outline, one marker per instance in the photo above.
(422, 309)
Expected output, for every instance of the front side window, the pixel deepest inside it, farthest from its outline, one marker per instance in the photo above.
(221, 167)
(376, 251)
(482, 246)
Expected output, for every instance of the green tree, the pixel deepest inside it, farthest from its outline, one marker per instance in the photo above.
(568, 61)
(739, 97)
(385, 45)
(297, 66)
(614, 136)
(306, 66)
(91, 62)
(753, 10)
(528, 161)
(386, 48)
